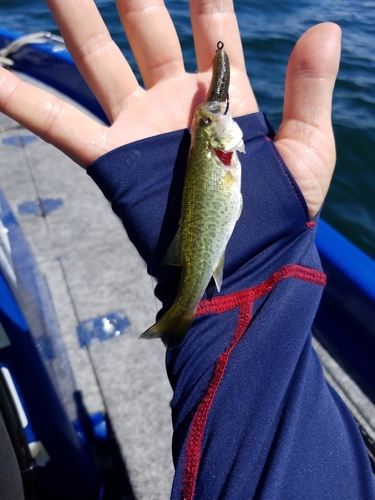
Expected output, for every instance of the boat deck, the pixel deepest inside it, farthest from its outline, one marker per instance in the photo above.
(92, 270)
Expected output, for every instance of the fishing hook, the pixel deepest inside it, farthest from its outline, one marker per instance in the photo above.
(227, 108)
(220, 45)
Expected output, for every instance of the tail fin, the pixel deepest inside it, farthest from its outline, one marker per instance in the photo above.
(171, 327)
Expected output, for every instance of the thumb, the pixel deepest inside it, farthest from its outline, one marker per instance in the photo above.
(305, 137)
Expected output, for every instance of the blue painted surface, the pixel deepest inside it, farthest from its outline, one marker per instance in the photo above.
(98, 425)
(357, 266)
(19, 140)
(102, 328)
(43, 206)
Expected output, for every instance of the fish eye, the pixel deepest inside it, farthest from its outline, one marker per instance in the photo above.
(204, 122)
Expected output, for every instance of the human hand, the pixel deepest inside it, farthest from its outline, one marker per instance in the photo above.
(304, 140)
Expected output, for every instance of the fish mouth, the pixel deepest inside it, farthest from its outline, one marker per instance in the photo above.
(224, 156)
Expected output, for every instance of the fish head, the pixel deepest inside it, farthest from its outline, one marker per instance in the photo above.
(213, 122)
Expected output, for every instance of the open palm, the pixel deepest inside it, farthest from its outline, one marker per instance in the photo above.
(304, 140)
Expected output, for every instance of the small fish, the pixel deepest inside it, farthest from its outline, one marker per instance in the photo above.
(211, 205)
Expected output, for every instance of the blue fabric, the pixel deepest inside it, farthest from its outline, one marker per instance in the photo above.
(275, 429)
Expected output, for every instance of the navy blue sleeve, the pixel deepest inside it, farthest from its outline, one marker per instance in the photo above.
(252, 414)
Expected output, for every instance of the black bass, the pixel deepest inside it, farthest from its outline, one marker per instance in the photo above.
(211, 205)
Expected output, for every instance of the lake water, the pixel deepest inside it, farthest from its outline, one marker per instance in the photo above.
(269, 30)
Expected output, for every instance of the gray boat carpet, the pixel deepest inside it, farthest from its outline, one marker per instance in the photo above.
(92, 269)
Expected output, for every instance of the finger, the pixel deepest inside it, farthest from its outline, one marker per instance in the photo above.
(53, 120)
(97, 57)
(212, 21)
(153, 39)
(306, 128)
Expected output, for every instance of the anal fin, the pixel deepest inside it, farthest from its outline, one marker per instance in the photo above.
(218, 273)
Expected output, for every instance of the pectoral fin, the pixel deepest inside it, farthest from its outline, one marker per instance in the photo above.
(173, 255)
(218, 273)
(240, 208)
